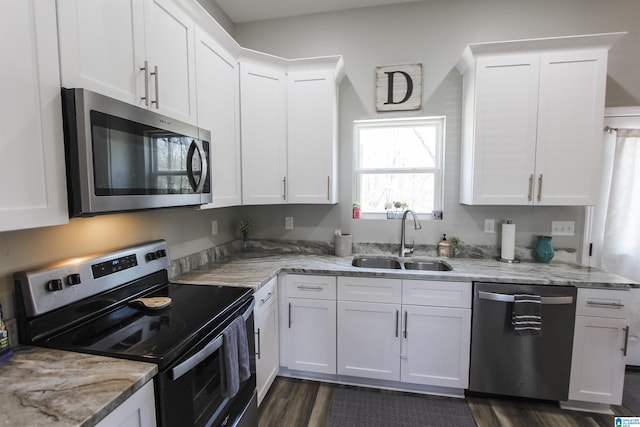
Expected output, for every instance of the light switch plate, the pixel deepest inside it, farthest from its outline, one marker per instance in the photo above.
(563, 228)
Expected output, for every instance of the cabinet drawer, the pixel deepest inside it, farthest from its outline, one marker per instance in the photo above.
(368, 289)
(314, 287)
(436, 293)
(266, 295)
(613, 303)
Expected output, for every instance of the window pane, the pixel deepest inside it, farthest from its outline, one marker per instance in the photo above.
(397, 147)
(415, 189)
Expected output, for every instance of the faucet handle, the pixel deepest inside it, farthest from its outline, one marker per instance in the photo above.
(409, 247)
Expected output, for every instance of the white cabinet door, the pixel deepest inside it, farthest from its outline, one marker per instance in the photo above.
(264, 134)
(170, 46)
(312, 335)
(527, 115)
(369, 340)
(218, 97)
(312, 139)
(139, 410)
(267, 343)
(32, 162)
(102, 47)
(503, 153)
(598, 361)
(570, 123)
(436, 344)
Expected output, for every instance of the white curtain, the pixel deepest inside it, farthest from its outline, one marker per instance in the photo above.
(621, 246)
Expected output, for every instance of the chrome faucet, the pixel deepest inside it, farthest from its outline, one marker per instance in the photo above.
(407, 250)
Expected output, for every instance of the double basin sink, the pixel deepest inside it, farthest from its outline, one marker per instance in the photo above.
(394, 263)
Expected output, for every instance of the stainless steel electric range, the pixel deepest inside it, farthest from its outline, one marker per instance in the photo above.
(86, 305)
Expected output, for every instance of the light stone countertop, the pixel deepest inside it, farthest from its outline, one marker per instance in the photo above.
(253, 269)
(54, 388)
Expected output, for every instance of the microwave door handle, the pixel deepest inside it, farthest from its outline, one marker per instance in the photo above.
(196, 145)
(194, 360)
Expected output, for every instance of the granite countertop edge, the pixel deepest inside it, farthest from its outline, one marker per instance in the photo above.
(49, 387)
(254, 269)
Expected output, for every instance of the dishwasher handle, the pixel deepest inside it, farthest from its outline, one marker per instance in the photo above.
(492, 296)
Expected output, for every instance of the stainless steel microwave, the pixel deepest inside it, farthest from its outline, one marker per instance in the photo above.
(120, 157)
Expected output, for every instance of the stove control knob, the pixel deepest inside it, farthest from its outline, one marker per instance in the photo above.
(161, 253)
(73, 279)
(54, 285)
(151, 256)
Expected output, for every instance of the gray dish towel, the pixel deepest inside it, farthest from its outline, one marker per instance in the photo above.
(526, 318)
(235, 356)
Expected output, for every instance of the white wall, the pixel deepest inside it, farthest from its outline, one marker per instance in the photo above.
(434, 33)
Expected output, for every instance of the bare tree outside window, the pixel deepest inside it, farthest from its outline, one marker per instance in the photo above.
(399, 160)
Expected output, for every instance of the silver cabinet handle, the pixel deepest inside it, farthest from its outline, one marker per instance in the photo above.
(258, 350)
(605, 304)
(406, 319)
(529, 195)
(145, 98)
(328, 188)
(267, 298)
(155, 74)
(289, 315)
(540, 187)
(626, 341)
(310, 288)
(397, 321)
(284, 188)
(492, 296)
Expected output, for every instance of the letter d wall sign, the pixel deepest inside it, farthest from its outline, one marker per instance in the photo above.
(399, 87)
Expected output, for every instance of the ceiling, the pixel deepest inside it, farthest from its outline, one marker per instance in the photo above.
(240, 11)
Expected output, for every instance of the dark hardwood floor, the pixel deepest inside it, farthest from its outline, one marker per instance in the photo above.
(299, 403)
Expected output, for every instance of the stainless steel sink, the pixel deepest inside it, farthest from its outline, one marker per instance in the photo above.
(397, 264)
(389, 263)
(427, 265)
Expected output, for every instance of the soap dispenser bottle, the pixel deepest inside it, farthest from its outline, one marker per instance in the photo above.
(444, 248)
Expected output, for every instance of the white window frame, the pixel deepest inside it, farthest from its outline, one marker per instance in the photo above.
(439, 123)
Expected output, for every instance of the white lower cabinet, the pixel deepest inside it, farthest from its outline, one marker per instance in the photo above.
(139, 410)
(422, 336)
(436, 346)
(369, 340)
(266, 337)
(311, 323)
(599, 346)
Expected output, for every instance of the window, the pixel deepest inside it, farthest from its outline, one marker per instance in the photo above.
(399, 160)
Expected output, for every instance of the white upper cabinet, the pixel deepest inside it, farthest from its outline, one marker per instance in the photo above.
(529, 108)
(289, 113)
(32, 170)
(218, 106)
(141, 52)
(312, 142)
(170, 46)
(263, 92)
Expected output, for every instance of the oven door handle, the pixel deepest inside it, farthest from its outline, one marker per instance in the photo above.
(207, 351)
(194, 360)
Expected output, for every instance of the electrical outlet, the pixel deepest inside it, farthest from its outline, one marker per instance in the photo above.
(288, 223)
(436, 214)
(214, 227)
(489, 225)
(563, 228)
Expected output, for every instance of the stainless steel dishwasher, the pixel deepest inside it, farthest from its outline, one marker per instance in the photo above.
(505, 363)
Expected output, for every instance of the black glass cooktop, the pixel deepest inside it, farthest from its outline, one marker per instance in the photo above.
(156, 335)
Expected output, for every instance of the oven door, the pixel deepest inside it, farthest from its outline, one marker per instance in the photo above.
(190, 390)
